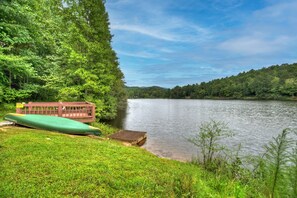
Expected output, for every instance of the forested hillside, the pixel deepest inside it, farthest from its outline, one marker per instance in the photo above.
(275, 82)
(148, 92)
(54, 50)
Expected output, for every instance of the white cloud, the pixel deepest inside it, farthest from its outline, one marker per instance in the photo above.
(229, 35)
(278, 10)
(151, 19)
(146, 30)
(175, 30)
(254, 45)
(141, 54)
(266, 32)
(226, 5)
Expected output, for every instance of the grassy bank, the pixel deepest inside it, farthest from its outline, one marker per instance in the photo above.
(47, 164)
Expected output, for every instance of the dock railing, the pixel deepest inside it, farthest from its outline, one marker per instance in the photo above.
(80, 111)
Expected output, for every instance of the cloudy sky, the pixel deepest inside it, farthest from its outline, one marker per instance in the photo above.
(179, 42)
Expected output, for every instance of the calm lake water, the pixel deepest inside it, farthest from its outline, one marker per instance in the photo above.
(169, 122)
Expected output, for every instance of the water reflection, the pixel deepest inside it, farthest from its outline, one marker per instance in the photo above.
(169, 122)
(120, 119)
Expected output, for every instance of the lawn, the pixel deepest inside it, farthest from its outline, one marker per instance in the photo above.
(48, 164)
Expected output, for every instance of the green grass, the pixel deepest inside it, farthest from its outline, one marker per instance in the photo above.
(105, 128)
(47, 164)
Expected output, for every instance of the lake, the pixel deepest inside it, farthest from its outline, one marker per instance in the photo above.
(170, 122)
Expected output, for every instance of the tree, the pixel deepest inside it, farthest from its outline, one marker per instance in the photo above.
(59, 50)
(274, 82)
(17, 51)
(290, 87)
(91, 62)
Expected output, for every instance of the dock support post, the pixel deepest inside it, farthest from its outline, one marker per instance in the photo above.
(60, 109)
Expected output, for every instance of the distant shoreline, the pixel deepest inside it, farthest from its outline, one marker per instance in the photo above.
(225, 98)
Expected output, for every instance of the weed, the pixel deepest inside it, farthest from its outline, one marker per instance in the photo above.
(184, 186)
(207, 140)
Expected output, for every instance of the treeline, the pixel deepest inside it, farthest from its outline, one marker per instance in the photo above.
(148, 92)
(274, 82)
(59, 50)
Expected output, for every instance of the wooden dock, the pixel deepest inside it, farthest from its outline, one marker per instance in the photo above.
(131, 137)
(79, 111)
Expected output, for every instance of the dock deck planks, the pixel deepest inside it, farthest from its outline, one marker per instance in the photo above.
(132, 137)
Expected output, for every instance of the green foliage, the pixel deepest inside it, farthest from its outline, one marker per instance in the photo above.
(6, 108)
(59, 50)
(105, 128)
(147, 92)
(289, 87)
(273, 174)
(276, 159)
(274, 82)
(207, 140)
(277, 167)
(69, 94)
(1, 94)
(292, 173)
(90, 62)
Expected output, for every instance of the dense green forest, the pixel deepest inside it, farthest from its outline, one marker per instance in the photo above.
(148, 92)
(274, 82)
(54, 50)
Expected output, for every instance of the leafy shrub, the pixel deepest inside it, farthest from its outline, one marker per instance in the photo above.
(207, 140)
(6, 108)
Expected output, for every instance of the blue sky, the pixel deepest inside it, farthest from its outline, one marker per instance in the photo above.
(179, 42)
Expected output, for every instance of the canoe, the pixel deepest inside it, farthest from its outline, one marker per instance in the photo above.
(52, 123)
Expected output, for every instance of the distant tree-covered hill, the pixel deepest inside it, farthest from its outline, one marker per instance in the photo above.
(274, 82)
(148, 92)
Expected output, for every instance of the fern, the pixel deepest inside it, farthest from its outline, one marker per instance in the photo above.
(293, 173)
(276, 160)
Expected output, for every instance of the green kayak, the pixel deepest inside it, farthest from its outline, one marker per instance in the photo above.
(52, 123)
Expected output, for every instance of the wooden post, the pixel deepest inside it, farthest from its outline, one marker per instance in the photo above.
(60, 109)
(93, 112)
(29, 107)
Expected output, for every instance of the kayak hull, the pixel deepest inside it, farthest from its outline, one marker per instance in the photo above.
(52, 123)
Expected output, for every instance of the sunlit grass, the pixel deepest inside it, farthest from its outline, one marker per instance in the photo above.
(47, 164)
(105, 128)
